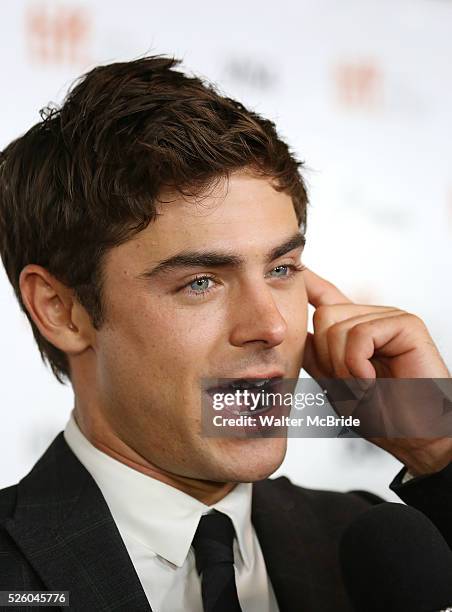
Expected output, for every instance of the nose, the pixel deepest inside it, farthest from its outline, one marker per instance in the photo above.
(256, 318)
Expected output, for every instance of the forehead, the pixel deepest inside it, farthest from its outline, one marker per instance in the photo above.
(244, 213)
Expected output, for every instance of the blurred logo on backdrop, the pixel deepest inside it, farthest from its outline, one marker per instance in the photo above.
(359, 84)
(251, 72)
(58, 33)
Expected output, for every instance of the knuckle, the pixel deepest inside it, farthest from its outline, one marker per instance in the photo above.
(360, 329)
(414, 319)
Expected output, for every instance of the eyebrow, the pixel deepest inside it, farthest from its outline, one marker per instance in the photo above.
(218, 259)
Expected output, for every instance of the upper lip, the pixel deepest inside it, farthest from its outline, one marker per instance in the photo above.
(257, 375)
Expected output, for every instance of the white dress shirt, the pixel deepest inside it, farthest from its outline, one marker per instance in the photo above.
(157, 523)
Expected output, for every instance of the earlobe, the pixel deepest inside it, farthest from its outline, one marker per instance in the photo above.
(49, 303)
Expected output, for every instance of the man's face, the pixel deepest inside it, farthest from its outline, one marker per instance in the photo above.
(166, 331)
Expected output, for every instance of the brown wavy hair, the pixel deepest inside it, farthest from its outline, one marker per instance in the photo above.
(87, 177)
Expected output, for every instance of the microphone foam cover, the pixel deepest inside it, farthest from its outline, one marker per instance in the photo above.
(393, 558)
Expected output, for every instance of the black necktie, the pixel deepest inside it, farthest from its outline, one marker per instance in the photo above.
(215, 563)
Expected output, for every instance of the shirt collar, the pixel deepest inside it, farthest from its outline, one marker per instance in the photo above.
(156, 514)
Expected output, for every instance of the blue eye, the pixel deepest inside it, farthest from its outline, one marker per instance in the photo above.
(286, 268)
(199, 285)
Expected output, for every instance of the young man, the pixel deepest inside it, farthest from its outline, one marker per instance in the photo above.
(152, 230)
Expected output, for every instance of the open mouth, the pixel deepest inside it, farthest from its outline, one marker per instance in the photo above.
(250, 394)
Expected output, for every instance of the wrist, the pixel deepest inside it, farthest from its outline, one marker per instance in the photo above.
(427, 456)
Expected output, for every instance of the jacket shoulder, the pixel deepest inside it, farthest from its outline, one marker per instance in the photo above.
(8, 497)
(15, 571)
(285, 486)
(328, 506)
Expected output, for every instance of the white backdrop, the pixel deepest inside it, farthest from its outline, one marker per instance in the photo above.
(363, 92)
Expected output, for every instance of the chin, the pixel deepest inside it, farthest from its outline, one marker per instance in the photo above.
(254, 459)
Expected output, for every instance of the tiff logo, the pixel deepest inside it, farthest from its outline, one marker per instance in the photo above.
(359, 85)
(57, 34)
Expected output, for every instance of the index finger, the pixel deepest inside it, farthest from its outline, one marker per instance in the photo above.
(322, 292)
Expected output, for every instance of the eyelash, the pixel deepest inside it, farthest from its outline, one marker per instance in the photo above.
(295, 268)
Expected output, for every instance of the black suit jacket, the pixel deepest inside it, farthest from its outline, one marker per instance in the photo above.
(57, 533)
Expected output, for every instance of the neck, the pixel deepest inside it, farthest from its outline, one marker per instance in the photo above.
(206, 491)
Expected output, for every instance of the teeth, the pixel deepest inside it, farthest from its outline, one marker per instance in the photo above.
(262, 382)
(249, 383)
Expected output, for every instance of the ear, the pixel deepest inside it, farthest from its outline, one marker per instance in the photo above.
(55, 311)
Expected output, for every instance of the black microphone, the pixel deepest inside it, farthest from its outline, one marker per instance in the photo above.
(393, 558)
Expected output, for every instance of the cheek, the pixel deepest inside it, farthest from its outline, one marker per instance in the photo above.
(294, 308)
(164, 338)
(194, 333)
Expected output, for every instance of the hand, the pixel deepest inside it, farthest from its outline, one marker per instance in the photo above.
(361, 341)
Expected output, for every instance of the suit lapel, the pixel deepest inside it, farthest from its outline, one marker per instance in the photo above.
(300, 558)
(65, 529)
